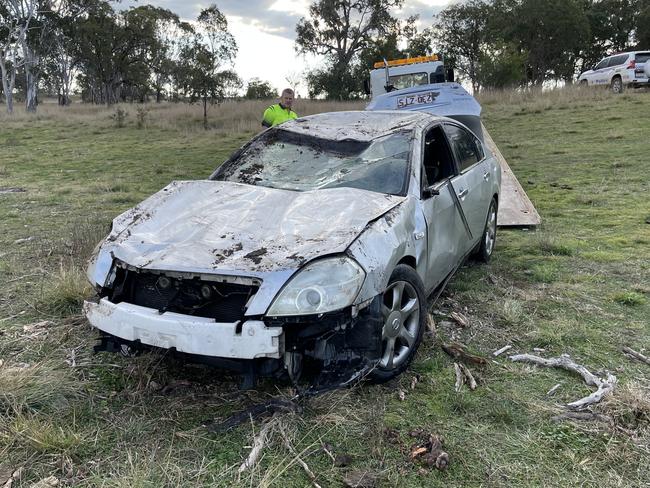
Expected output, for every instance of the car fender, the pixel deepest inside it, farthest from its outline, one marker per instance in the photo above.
(398, 236)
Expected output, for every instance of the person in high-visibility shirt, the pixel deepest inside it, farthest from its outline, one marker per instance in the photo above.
(280, 112)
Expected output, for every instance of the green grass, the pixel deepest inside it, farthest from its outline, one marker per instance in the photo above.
(577, 285)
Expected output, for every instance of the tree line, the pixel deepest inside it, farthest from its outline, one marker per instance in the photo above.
(491, 43)
(147, 52)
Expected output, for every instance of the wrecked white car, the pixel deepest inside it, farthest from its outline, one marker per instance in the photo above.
(312, 250)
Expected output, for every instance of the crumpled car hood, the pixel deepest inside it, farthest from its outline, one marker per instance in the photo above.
(218, 226)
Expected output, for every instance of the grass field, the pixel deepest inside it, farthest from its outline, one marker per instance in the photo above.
(579, 284)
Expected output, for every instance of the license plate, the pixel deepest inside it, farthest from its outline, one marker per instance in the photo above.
(421, 99)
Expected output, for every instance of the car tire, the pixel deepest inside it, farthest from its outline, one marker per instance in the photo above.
(488, 238)
(404, 317)
(584, 83)
(617, 85)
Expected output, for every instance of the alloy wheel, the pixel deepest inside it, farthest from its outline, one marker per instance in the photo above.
(490, 230)
(401, 317)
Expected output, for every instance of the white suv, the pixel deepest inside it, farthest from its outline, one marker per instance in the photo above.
(621, 70)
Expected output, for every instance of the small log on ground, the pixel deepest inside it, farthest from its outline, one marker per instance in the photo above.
(636, 355)
(604, 385)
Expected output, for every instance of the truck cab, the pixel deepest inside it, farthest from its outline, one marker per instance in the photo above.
(406, 73)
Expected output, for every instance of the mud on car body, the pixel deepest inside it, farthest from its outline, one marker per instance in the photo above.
(311, 250)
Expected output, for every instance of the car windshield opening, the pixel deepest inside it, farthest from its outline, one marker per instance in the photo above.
(289, 161)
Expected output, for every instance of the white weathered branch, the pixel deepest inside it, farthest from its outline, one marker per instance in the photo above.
(604, 385)
(259, 441)
(502, 350)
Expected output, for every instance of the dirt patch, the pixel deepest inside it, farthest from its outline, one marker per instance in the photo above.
(256, 256)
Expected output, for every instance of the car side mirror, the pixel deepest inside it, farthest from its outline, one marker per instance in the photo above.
(430, 192)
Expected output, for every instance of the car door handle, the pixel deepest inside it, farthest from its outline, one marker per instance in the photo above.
(463, 193)
(486, 175)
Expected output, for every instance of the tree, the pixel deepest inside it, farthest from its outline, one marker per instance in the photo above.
(200, 70)
(461, 31)
(258, 89)
(643, 25)
(14, 26)
(340, 30)
(553, 33)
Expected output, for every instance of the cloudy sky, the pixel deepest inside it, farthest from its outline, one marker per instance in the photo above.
(265, 32)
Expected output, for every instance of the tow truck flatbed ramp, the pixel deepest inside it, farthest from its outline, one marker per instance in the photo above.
(515, 208)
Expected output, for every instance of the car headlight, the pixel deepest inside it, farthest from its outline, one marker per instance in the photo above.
(322, 286)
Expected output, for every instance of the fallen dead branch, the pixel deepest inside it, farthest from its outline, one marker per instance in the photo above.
(259, 441)
(502, 350)
(553, 390)
(603, 386)
(636, 355)
(460, 319)
(458, 351)
(464, 376)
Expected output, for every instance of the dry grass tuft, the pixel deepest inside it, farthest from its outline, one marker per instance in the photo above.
(38, 386)
(629, 406)
(82, 239)
(64, 292)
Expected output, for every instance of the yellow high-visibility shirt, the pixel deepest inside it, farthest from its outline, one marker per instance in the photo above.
(276, 114)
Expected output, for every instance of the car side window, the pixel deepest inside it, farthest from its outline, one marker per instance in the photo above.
(437, 161)
(602, 64)
(468, 150)
(617, 60)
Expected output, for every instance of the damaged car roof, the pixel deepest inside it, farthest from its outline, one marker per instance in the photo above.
(356, 125)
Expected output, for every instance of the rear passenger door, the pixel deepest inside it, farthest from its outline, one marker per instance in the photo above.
(471, 184)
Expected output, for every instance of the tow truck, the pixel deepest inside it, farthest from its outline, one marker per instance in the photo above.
(424, 84)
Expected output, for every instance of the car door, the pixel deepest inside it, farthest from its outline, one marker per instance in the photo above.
(446, 232)
(601, 71)
(469, 184)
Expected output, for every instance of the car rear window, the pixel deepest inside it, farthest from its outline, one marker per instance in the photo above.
(642, 57)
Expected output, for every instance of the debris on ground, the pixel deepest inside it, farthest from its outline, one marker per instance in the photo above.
(458, 351)
(26, 239)
(430, 452)
(414, 381)
(604, 385)
(15, 476)
(360, 479)
(460, 319)
(553, 390)
(254, 412)
(12, 190)
(259, 441)
(36, 329)
(431, 326)
(463, 376)
(48, 482)
(636, 355)
(502, 350)
(401, 394)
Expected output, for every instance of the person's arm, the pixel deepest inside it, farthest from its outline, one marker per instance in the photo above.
(267, 119)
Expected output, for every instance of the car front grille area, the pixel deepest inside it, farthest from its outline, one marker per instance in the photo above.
(224, 302)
